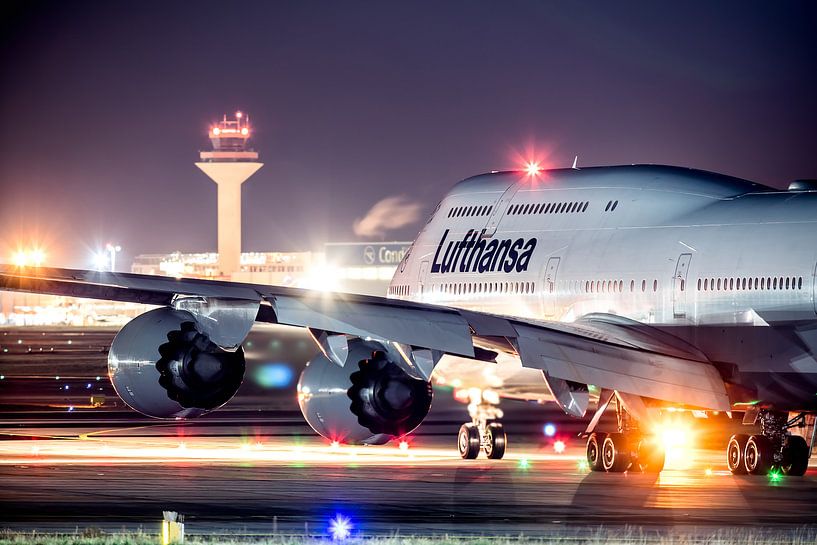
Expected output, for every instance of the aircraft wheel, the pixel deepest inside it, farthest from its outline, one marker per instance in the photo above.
(615, 454)
(795, 456)
(496, 441)
(734, 454)
(758, 455)
(594, 446)
(651, 456)
(468, 441)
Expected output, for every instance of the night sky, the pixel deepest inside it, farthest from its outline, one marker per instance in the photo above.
(105, 105)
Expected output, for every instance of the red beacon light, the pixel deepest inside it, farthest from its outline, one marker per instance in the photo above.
(533, 168)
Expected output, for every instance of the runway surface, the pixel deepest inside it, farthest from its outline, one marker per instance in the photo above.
(119, 478)
(256, 467)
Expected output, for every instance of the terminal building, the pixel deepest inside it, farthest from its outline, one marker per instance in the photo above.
(350, 267)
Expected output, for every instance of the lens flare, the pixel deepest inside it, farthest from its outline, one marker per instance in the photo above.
(559, 447)
(340, 527)
(273, 375)
(549, 429)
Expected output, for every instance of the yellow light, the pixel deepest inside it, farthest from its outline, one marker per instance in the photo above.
(37, 257)
(165, 533)
(708, 472)
(20, 259)
(674, 437)
(245, 131)
(23, 258)
(677, 437)
(216, 131)
(533, 168)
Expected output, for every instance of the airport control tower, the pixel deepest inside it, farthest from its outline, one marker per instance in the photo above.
(229, 164)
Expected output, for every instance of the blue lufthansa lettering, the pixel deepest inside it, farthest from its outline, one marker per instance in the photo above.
(475, 254)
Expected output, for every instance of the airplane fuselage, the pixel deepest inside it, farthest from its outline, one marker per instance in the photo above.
(725, 264)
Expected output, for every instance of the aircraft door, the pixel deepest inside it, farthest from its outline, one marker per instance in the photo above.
(814, 293)
(499, 210)
(549, 287)
(680, 288)
(421, 277)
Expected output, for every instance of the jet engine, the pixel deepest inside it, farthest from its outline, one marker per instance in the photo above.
(369, 400)
(162, 365)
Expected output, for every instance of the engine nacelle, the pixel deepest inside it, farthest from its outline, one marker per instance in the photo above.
(370, 400)
(161, 365)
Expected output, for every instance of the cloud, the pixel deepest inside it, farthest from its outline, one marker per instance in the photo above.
(387, 215)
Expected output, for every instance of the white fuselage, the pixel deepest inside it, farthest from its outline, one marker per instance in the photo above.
(676, 248)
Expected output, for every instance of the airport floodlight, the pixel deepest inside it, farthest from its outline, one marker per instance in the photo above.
(100, 261)
(20, 259)
(28, 258)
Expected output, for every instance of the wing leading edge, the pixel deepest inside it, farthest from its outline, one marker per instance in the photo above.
(607, 357)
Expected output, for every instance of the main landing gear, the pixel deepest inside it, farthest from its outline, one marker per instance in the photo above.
(628, 449)
(482, 433)
(773, 449)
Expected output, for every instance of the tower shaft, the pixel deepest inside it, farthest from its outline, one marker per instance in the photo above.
(229, 227)
(229, 176)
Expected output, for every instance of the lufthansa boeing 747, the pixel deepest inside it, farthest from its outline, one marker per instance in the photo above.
(649, 287)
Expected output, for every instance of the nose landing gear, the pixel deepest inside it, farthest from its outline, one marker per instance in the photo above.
(483, 432)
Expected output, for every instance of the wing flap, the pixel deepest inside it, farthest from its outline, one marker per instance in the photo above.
(629, 370)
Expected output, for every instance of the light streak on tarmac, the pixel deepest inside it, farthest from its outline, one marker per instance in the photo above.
(162, 450)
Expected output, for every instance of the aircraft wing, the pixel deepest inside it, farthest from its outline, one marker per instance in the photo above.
(609, 354)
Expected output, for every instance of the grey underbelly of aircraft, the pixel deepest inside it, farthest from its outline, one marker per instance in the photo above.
(770, 365)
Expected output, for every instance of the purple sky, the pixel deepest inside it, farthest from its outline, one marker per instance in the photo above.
(105, 105)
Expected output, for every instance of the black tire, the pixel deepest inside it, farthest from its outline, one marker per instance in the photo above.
(758, 455)
(468, 441)
(496, 441)
(615, 453)
(593, 451)
(734, 453)
(795, 456)
(651, 456)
